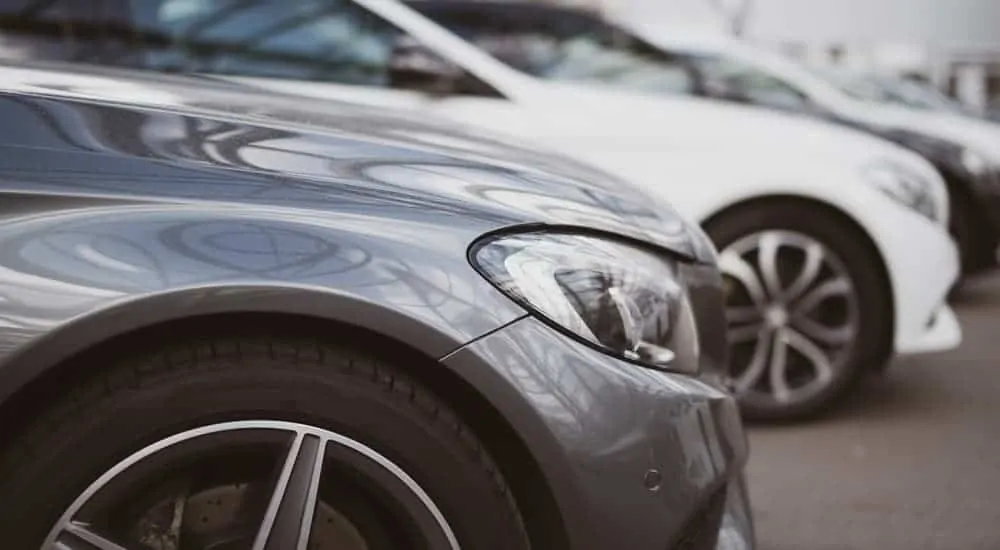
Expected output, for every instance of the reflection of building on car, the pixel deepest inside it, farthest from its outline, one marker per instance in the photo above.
(815, 222)
(234, 319)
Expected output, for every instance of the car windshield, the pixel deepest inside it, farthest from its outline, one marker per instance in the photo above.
(851, 84)
(567, 46)
(886, 89)
(916, 94)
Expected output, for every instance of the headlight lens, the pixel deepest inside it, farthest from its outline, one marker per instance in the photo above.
(909, 189)
(623, 300)
(975, 163)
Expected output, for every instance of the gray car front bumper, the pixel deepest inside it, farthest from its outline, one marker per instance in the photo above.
(634, 458)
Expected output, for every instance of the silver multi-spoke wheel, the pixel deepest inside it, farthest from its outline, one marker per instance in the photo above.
(793, 316)
(260, 485)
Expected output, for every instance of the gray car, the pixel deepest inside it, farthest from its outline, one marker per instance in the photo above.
(231, 320)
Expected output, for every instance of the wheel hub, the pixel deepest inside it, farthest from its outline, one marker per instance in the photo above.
(792, 316)
(776, 316)
(297, 487)
(207, 515)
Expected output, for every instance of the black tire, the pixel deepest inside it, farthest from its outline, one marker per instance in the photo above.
(172, 388)
(872, 346)
(968, 230)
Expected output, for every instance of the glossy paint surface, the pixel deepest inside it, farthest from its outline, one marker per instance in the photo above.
(118, 213)
(978, 190)
(599, 425)
(704, 157)
(118, 216)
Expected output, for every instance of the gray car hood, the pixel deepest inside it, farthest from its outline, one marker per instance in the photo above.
(461, 171)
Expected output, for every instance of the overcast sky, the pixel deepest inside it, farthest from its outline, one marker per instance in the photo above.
(948, 23)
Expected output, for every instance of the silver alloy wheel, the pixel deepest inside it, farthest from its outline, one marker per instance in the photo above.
(792, 312)
(293, 515)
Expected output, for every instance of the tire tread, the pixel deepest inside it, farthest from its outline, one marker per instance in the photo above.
(132, 372)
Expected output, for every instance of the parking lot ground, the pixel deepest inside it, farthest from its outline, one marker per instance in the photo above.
(912, 462)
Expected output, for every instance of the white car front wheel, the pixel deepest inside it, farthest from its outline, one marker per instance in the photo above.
(807, 309)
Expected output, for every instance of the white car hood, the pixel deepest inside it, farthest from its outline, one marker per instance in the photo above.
(680, 124)
(665, 143)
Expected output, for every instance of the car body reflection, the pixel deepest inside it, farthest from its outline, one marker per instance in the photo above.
(106, 205)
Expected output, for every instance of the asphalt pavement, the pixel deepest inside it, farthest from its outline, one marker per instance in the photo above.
(912, 462)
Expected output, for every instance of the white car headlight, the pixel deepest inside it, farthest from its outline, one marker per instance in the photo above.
(615, 297)
(906, 187)
(975, 163)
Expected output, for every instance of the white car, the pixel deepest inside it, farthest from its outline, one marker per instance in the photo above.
(965, 149)
(834, 243)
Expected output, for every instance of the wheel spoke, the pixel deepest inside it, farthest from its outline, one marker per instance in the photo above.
(782, 318)
(817, 358)
(742, 314)
(758, 364)
(811, 267)
(745, 333)
(834, 287)
(77, 536)
(767, 260)
(778, 368)
(290, 512)
(735, 266)
(256, 479)
(831, 336)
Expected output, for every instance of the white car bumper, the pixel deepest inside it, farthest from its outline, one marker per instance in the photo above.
(943, 333)
(923, 266)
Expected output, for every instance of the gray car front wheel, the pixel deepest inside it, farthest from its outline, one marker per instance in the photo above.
(252, 443)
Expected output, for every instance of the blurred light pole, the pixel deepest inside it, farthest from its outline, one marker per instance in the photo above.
(735, 12)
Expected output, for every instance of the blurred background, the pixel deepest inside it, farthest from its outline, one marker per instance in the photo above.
(953, 44)
(913, 461)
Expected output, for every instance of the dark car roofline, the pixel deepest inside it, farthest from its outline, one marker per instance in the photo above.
(515, 7)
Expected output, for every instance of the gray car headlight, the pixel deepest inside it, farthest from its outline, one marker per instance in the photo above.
(909, 189)
(618, 298)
